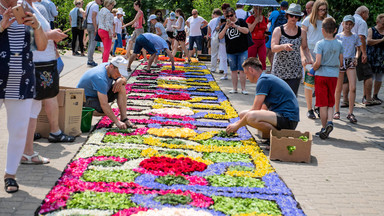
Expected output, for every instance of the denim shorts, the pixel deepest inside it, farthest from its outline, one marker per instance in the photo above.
(142, 42)
(236, 60)
(198, 40)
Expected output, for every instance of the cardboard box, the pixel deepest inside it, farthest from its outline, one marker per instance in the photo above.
(263, 135)
(284, 139)
(70, 108)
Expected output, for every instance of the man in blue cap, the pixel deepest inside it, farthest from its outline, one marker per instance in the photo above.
(277, 18)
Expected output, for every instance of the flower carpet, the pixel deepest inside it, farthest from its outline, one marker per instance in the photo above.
(179, 161)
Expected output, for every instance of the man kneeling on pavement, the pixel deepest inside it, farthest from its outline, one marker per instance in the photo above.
(153, 44)
(282, 107)
(102, 85)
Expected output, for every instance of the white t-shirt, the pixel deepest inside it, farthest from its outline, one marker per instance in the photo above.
(94, 8)
(213, 24)
(118, 25)
(162, 29)
(314, 34)
(49, 53)
(241, 14)
(195, 25)
(360, 28)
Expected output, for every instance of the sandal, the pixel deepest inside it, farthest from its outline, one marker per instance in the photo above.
(336, 115)
(60, 138)
(41, 160)
(344, 105)
(352, 118)
(129, 124)
(10, 182)
(36, 136)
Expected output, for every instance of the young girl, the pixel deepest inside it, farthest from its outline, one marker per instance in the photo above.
(349, 41)
(137, 23)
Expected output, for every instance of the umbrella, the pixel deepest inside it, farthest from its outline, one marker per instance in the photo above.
(262, 3)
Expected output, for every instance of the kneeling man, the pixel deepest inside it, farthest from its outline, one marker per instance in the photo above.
(102, 85)
(283, 108)
(153, 44)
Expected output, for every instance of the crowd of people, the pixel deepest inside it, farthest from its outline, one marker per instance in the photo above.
(300, 45)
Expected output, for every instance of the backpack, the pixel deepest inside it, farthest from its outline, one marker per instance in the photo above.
(280, 20)
(80, 21)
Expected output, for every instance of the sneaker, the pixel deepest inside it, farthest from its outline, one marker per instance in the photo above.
(224, 78)
(233, 92)
(320, 132)
(92, 64)
(129, 69)
(75, 53)
(221, 71)
(244, 92)
(317, 111)
(311, 114)
(36, 136)
(60, 138)
(328, 130)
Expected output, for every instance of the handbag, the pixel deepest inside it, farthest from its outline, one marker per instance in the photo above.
(47, 80)
(85, 23)
(97, 37)
(249, 39)
(81, 25)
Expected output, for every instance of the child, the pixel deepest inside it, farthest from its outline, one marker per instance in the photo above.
(329, 57)
(349, 41)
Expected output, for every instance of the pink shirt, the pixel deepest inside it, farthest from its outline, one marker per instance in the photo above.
(139, 23)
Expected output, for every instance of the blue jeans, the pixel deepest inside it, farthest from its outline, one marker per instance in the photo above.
(118, 43)
(236, 60)
(198, 40)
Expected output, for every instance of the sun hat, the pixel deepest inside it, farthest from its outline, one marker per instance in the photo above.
(284, 4)
(121, 63)
(172, 16)
(153, 16)
(120, 11)
(294, 9)
(349, 18)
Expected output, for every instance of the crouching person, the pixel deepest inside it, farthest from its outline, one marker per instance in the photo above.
(102, 85)
(283, 108)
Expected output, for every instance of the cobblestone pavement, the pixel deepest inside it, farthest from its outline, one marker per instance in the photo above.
(345, 176)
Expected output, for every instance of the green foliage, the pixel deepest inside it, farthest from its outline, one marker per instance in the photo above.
(106, 163)
(172, 180)
(92, 200)
(234, 206)
(240, 168)
(230, 181)
(119, 152)
(221, 143)
(110, 175)
(173, 199)
(226, 157)
(123, 139)
(172, 153)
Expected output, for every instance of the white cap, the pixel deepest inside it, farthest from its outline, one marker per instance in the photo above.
(120, 11)
(153, 16)
(121, 63)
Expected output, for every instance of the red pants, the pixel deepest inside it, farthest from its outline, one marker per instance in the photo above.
(258, 49)
(107, 43)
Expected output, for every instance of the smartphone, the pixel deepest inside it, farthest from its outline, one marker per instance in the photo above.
(19, 12)
(65, 32)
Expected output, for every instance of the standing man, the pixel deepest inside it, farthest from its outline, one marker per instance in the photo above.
(91, 12)
(283, 108)
(308, 7)
(241, 13)
(213, 33)
(276, 18)
(362, 71)
(153, 44)
(52, 11)
(195, 23)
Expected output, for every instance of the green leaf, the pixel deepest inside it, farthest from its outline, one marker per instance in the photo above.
(172, 180)
(173, 199)
(119, 152)
(240, 168)
(110, 175)
(230, 181)
(226, 157)
(93, 200)
(106, 163)
(221, 143)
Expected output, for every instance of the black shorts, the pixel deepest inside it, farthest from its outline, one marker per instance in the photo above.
(170, 34)
(181, 36)
(94, 102)
(285, 123)
(363, 71)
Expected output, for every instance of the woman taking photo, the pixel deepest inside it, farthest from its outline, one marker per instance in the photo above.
(287, 40)
(136, 23)
(236, 43)
(181, 35)
(106, 30)
(257, 25)
(18, 79)
(312, 26)
(77, 33)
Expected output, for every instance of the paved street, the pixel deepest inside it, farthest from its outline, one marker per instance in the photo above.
(345, 176)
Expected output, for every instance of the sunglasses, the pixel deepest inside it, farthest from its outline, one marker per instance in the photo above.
(229, 16)
(323, 10)
(194, 14)
(294, 16)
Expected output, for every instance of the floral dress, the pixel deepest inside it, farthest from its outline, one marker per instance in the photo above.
(287, 64)
(17, 77)
(376, 53)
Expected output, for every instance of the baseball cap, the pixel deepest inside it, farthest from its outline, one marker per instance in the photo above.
(284, 4)
(153, 16)
(349, 18)
(172, 15)
(121, 63)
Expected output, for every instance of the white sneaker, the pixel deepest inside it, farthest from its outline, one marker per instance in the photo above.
(244, 92)
(224, 78)
(233, 92)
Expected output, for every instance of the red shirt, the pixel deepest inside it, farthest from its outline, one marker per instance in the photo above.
(260, 28)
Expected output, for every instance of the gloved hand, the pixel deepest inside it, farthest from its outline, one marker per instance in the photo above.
(173, 68)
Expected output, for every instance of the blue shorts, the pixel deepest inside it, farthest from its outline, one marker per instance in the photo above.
(236, 60)
(142, 42)
(198, 40)
(268, 44)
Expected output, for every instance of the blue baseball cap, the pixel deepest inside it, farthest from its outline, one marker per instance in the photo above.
(349, 18)
(284, 4)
